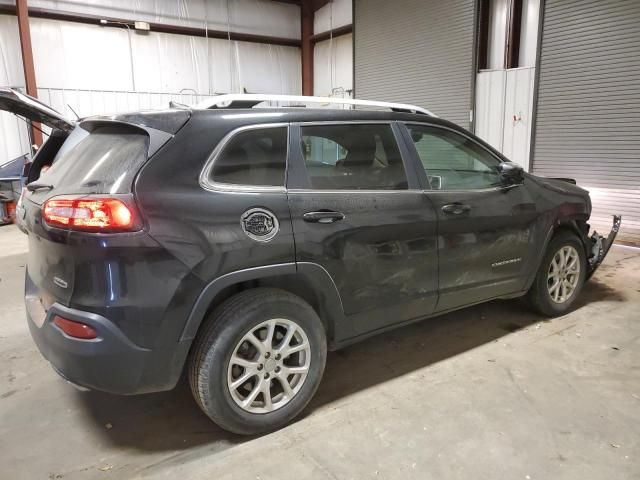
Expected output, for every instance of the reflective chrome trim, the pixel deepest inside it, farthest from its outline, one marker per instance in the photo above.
(488, 189)
(254, 99)
(312, 123)
(315, 191)
(211, 186)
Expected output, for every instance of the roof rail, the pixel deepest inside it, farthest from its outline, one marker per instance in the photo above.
(249, 100)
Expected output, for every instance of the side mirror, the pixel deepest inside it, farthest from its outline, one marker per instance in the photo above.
(511, 173)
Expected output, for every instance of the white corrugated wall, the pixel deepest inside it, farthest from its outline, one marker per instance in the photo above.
(89, 68)
(588, 110)
(416, 51)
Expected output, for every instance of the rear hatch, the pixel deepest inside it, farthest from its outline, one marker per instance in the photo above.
(99, 160)
(32, 109)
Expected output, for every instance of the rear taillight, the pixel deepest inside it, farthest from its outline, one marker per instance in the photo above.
(93, 214)
(75, 329)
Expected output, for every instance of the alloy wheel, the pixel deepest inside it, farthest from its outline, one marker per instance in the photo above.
(269, 365)
(564, 274)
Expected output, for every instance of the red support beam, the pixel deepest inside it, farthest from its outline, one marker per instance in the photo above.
(306, 46)
(27, 59)
(336, 32)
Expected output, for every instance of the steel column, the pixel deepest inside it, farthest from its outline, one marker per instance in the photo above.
(306, 46)
(27, 59)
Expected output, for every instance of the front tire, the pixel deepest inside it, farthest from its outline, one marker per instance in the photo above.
(258, 361)
(560, 277)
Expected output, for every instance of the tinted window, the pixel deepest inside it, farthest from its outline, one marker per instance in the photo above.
(452, 161)
(106, 161)
(253, 157)
(353, 157)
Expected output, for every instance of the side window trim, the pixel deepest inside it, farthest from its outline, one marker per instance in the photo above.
(212, 186)
(418, 163)
(298, 178)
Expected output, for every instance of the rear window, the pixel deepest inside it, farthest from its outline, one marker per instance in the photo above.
(106, 161)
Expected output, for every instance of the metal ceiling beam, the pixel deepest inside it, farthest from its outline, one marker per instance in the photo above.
(290, 2)
(318, 4)
(22, 12)
(336, 32)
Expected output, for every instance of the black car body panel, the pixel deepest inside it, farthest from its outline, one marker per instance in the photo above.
(366, 260)
(32, 109)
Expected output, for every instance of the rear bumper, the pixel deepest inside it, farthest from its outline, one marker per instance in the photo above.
(600, 245)
(111, 362)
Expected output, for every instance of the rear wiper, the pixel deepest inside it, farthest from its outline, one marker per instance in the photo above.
(32, 187)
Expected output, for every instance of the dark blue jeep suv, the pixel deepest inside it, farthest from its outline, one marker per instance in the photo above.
(238, 244)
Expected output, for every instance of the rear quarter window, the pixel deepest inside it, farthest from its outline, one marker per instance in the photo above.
(255, 157)
(104, 162)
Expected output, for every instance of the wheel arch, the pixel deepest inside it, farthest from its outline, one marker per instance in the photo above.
(576, 225)
(309, 281)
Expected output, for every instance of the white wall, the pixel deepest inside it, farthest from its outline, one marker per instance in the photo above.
(336, 13)
(333, 67)
(13, 132)
(504, 105)
(89, 67)
(98, 58)
(518, 109)
(262, 17)
(489, 122)
(333, 59)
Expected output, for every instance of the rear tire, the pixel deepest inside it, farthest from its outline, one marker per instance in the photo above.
(560, 277)
(241, 372)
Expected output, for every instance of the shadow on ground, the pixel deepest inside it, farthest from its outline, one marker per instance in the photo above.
(172, 421)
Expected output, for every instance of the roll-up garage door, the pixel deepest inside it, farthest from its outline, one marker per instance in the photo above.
(588, 109)
(416, 51)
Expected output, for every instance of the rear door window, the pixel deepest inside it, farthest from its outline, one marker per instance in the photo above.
(104, 162)
(352, 157)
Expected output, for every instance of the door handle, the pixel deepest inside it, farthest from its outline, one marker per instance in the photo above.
(323, 216)
(456, 208)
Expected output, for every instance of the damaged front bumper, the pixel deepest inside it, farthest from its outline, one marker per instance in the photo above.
(600, 245)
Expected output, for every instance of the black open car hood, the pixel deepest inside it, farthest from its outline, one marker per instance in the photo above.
(20, 104)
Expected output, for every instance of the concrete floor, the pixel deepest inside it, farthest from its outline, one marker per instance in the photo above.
(488, 392)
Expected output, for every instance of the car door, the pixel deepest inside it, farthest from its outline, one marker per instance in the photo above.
(485, 227)
(357, 214)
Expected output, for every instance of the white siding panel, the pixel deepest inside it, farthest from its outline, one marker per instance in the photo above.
(490, 91)
(13, 132)
(333, 67)
(336, 13)
(517, 115)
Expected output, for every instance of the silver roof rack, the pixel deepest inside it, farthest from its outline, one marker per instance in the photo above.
(249, 100)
